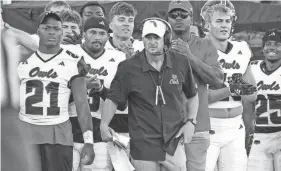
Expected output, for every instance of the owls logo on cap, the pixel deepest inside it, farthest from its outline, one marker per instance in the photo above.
(154, 23)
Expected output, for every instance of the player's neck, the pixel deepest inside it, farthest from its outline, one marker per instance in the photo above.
(219, 45)
(155, 60)
(118, 40)
(47, 50)
(94, 55)
(185, 36)
(271, 66)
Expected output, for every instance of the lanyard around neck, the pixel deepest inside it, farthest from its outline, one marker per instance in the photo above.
(158, 88)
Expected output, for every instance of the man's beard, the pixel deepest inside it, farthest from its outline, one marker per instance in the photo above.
(273, 60)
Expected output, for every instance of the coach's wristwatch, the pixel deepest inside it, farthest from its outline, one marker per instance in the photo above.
(193, 121)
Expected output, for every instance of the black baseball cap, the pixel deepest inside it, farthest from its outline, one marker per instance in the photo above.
(273, 35)
(42, 17)
(96, 22)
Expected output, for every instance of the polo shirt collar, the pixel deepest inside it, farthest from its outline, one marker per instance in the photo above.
(146, 66)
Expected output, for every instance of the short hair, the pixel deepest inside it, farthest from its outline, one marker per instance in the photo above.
(200, 29)
(88, 4)
(121, 8)
(56, 4)
(71, 16)
(217, 7)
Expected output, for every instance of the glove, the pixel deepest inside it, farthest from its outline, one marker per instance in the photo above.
(75, 39)
(238, 86)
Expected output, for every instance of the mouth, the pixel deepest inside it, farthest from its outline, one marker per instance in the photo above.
(51, 39)
(224, 31)
(126, 30)
(97, 44)
(271, 53)
(178, 24)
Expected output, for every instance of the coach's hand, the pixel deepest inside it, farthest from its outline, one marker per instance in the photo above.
(106, 135)
(87, 154)
(73, 39)
(181, 47)
(188, 131)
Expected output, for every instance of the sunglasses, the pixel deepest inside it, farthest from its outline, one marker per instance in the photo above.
(182, 14)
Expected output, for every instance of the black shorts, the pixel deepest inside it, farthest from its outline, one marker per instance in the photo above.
(56, 157)
(119, 123)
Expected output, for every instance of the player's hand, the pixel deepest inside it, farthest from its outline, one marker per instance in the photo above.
(87, 154)
(93, 83)
(127, 48)
(180, 47)
(240, 87)
(73, 39)
(106, 134)
(188, 131)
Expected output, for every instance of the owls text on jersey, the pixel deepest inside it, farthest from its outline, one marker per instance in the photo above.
(45, 87)
(137, 45)
(235, 60)
(268, 103)
(104, 68)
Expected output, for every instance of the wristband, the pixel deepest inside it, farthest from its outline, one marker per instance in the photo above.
(88, 137)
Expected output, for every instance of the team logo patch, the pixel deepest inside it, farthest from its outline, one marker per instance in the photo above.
(154, 23)
(101, 23)
(112, 60)
(62, 63)
(174, 79)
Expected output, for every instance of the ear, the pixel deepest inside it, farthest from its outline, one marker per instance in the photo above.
(110, 26)
(207, 26)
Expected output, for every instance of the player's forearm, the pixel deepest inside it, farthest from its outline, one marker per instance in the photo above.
(84, 116)
(24, 39)
(249, 77)
(218, 94)
(192, 107)
(210, 75)
(249, 116)
(78, 88)
(109, 108)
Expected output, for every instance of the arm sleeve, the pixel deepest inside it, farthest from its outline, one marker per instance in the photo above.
(119, 88)
(189, 86)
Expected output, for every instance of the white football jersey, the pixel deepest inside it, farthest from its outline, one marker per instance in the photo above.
(235, 61)
(104, 68)
(268, 103)
(45, 87)
(137, 45)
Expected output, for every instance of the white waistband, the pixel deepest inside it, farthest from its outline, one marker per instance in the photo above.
(228, 123)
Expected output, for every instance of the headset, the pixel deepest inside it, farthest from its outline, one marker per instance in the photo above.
(168, 34)
(210, 3)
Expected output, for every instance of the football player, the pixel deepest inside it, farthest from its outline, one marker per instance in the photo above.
(103, 66)
(227, 134)
(121, 17)
(71, 24)
(47, 79)
(265, 154)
